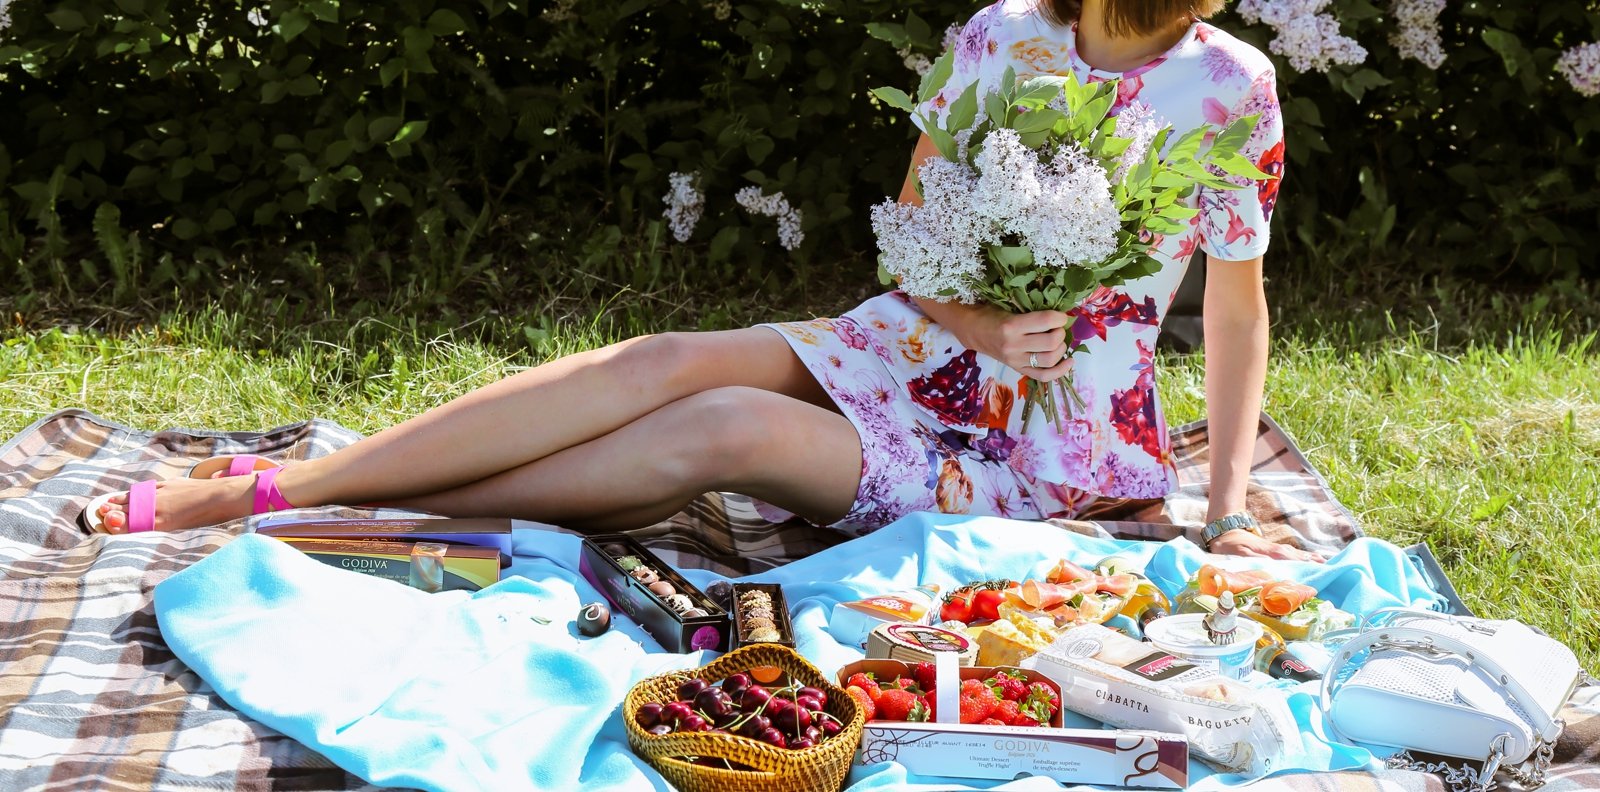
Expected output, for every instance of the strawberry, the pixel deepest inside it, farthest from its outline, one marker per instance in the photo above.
(1034, 713)
(975, 708)
(928, 702)
(864, 700)
(1009, 685)
(972, 687)
(1040, 693)
(992, 722)
(1007, 713)
(923, 672)
(896, 704)
(907, 683)
(867, 684)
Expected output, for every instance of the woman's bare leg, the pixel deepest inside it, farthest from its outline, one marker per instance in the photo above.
(505, 425)
(795, 455)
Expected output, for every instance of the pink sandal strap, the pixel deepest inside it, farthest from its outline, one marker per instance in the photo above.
(142, 507)
(268, 498)
(242, 465)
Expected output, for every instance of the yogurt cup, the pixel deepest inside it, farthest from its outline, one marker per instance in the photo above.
(1184, 637)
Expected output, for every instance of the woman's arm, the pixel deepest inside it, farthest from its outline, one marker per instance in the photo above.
(1013, 339)
(1236, 322)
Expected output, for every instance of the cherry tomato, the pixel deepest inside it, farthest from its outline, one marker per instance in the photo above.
(958, 607)
(986, 604)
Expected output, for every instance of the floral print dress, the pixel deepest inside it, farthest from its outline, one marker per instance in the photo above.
(940, 424)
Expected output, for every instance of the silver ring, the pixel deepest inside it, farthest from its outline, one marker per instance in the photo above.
(1033, 360)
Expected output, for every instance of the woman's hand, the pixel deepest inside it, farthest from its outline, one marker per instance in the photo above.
(1017, 340)
(1240, 542)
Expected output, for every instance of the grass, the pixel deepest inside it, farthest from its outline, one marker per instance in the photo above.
(1443, 413)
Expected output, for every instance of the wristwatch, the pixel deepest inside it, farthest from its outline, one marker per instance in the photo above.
(1226, 523)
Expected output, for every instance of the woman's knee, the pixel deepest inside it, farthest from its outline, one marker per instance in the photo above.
(720, 435)
(671, 362)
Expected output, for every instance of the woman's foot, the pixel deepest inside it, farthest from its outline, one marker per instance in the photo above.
(1244, 543)
(187, 503)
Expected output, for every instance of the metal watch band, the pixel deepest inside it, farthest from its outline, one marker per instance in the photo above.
(1226, 523)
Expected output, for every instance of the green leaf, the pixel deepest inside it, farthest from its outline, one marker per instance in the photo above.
(292, 24)
(963, 111)
(934, 80)
(944, 141)
(67, 20)
(186, 229)
(1233, 136)
(995, 107)
(220, 220)
(894, 97)
(383, 128)
(1041, 120)
(1237, 165)
(445, 22)
(1361, 81)
(1012, 257)
(337, 152)
(1508, 45)
(1038, 91)
(410, 132)
(324, 10)
(391, 69)
(131, 7)
(417, 41)
(758, 148)
(722, 244)
(888, 31)
(1188, 145)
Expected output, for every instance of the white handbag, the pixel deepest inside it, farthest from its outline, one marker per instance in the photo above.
(1480, 690)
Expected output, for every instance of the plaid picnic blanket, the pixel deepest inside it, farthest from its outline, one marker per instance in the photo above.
(91, 698)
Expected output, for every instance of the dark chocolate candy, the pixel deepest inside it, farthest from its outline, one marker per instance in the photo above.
(662, 588)
(594, 619)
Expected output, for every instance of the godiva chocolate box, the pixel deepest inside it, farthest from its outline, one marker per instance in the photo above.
(638, 583)
(480, 531)
(466, 567)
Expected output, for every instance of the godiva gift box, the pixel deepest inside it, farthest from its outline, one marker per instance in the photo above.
(465, 567)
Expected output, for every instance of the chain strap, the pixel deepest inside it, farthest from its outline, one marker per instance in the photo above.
(1463, 778)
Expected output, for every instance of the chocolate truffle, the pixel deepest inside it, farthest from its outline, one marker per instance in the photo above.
(644, 575)
(679, 602)
(629, 563)
(722, 593)
(764, 634)
(594, 619)
(694, 613)
(662, 588)
(617, 551)
(759, 623)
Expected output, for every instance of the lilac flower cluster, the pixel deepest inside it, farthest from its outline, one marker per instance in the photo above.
(1308, 38)
(5, 14)
(1138, 123)
(684, 203)
(1416, 34)
(777, 206)
(1060, 206)
(1581, 66)
(915, 61)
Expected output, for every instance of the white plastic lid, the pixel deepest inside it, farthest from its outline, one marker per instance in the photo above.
(1185, 634)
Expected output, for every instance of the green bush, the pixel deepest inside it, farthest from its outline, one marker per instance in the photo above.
(410, 139)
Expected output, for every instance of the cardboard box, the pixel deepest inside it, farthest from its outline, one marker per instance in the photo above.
(780, 609)
(466, 568)
(1125, 758)
(478, 531)
(627, 595)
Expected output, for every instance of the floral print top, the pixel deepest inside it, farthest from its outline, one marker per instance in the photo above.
(1118, 444)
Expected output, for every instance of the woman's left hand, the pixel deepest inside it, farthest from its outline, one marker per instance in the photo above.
(1239, 542)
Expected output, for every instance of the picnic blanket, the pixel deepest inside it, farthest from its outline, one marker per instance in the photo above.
(91, 696)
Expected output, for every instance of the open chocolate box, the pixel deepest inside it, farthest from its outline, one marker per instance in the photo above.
(745, 627)
(610, 563)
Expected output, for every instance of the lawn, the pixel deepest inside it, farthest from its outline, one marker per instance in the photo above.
(1475, 429)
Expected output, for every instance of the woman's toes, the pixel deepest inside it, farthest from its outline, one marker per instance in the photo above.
(115, 521)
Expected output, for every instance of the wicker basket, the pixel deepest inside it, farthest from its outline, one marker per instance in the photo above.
(821, 768)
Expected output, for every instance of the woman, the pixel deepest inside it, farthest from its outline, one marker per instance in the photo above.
(900, 405)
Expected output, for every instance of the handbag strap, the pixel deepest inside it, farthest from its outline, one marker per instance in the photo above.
(1423, 641)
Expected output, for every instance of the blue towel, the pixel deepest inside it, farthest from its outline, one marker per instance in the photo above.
(458, 691)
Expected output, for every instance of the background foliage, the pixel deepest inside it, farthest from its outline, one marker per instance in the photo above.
(446, 143)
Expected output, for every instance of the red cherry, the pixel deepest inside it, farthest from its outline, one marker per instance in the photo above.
(813, 734)
(802, 718)
(756, 726)
(712, 702)
(694, 723)
(735, 684)
(801, 743)
(676, 712)
(773, 737)
(817, 693)
(808, 703)
(648, 715)
(777, 704)
(754, 696)
(688, 690)
(831, 727)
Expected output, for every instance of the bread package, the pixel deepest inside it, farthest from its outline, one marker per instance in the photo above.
(1129, 683)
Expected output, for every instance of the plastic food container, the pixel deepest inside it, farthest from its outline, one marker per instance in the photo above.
(1184, 637)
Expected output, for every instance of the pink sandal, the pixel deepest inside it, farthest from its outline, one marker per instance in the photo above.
(237, 465)
(142, 504)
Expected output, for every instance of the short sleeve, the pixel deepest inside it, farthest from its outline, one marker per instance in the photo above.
(971, 47)
(1235, 225)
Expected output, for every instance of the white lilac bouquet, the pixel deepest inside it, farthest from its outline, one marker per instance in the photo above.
(1043, 196)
